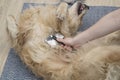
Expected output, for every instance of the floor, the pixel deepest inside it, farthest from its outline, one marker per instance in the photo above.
(13, 7)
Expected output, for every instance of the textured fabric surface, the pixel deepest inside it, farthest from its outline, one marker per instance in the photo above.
(14, 68)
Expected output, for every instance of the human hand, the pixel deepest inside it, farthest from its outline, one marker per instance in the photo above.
(69, 43)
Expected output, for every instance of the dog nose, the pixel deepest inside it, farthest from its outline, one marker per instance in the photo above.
(86, 6)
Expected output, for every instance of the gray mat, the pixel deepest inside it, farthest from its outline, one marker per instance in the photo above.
(15, 70)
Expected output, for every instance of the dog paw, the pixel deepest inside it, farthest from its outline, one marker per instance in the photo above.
(62, 11)
(12, 26)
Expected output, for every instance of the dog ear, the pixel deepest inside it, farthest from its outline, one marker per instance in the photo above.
(62, 11)
(12, 27)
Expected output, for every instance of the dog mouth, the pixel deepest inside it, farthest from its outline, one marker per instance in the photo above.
(81, 7)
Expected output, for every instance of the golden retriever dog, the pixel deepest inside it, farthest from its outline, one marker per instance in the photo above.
(93, 61)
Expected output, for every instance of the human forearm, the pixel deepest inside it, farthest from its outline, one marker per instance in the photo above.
(105, 25)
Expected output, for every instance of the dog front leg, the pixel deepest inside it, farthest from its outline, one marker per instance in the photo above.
(62, 11)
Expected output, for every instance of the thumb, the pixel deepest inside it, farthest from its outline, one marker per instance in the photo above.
(60, 40)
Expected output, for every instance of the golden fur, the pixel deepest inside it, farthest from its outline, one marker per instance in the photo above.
(90, 62)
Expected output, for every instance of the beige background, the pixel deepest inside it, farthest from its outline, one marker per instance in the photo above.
(13, 7)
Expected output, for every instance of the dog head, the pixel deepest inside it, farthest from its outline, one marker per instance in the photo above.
(75, 15)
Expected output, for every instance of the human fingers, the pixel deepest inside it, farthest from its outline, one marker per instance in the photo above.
(69, 48)
(60, 40)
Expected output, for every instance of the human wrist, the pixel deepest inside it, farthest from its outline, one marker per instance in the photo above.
(81, 38)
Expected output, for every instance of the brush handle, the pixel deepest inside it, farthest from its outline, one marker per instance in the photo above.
(55, 38)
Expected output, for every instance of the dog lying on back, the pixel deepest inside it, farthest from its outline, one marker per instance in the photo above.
(90, 62)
